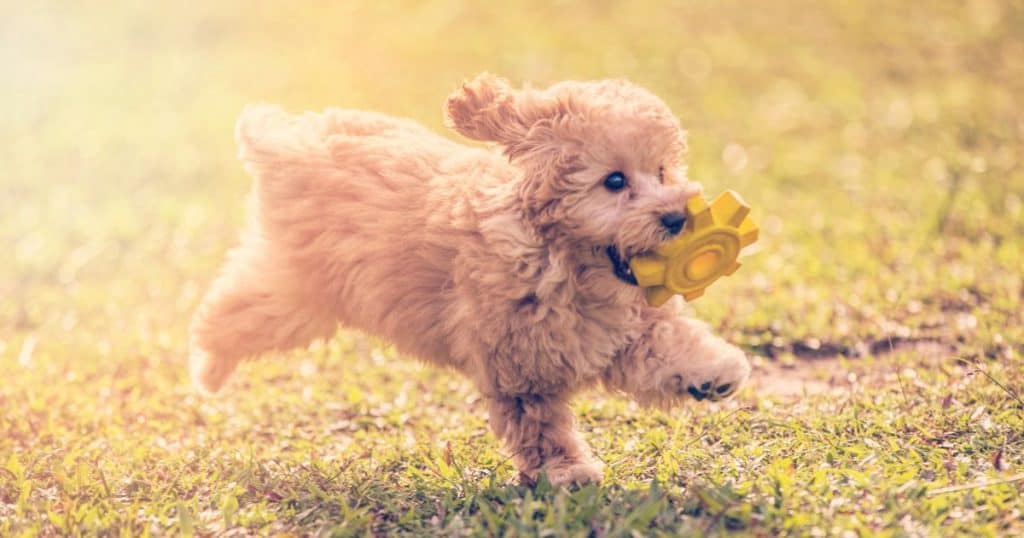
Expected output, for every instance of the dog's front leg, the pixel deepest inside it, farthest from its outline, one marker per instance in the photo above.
(674, 358)
(540, 433)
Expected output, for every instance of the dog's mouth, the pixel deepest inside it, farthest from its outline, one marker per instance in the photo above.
(621, 266)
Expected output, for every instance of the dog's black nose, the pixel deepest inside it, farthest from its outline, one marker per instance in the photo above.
(673, 222)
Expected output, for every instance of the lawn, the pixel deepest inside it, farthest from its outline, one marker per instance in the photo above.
(882, 145)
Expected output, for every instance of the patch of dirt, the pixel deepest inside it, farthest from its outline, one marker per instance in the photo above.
(823, 374)
(814, 348)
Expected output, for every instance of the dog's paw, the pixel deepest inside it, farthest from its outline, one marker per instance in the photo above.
(716, 380)
(708, 390)
(573, 473)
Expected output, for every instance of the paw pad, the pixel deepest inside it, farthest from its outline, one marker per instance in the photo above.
(711, 391)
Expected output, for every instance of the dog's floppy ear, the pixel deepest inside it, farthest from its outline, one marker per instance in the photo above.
(488, 109)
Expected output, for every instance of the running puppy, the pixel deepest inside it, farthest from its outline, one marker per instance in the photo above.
(508, 265)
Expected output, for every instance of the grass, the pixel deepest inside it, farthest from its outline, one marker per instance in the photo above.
(881, 143)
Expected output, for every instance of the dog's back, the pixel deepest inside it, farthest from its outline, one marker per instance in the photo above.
(355, 218)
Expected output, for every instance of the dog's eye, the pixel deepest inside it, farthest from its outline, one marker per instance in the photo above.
(615, 181)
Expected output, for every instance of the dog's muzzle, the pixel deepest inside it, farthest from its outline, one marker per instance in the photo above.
(621, 266)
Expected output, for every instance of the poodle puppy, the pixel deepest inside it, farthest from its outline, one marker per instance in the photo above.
(507, 264)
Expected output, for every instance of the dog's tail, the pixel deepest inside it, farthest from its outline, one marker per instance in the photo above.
(272, 143)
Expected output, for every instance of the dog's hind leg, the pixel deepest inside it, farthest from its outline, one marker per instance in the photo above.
(257, 304)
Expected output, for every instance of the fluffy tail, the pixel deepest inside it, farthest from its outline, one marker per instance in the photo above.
(270, 139)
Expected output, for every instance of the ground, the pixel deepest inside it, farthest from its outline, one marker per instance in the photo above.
(880, 143)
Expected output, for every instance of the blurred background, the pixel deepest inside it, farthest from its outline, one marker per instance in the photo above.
(880, 143)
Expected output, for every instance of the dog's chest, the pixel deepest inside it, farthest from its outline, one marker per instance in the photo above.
(561, 346)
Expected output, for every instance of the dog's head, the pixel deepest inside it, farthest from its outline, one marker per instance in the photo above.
(602, 161)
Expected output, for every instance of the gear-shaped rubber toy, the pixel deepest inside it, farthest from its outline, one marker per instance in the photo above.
(706, 249)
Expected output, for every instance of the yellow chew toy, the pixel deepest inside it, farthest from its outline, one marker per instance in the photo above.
(705, 250)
